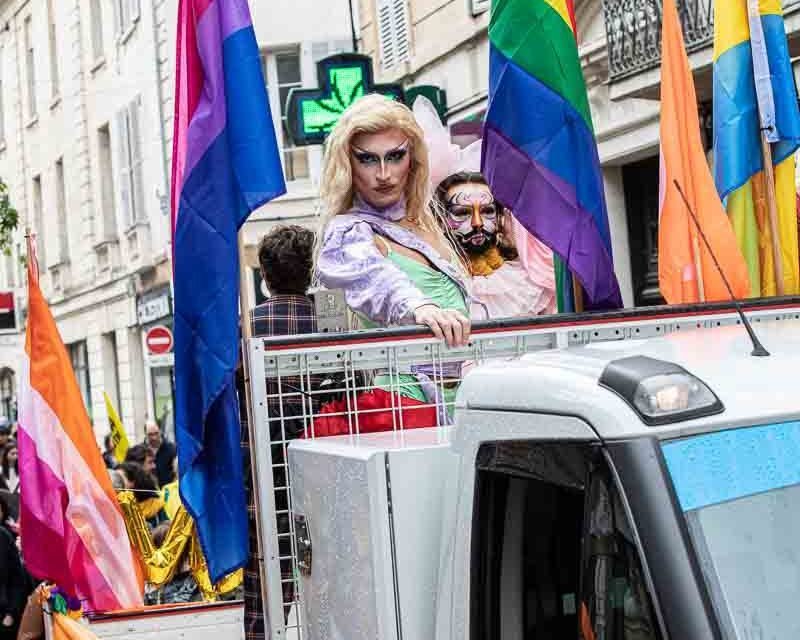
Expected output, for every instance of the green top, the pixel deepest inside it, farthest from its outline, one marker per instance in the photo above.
(442, 291)
(434, 284)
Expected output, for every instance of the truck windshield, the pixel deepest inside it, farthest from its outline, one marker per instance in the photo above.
(740, 493)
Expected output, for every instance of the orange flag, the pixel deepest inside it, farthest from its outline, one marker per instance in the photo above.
(686, 271)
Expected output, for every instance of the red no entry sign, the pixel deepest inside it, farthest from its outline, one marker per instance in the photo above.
(159, 340)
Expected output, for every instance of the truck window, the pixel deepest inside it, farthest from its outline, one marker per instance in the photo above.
(740, 493)
(553, 553)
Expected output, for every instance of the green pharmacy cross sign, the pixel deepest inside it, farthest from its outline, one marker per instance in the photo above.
(343, 79)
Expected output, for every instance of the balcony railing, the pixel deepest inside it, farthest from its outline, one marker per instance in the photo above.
(633, 30)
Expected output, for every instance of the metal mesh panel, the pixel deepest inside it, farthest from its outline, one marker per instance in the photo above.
(309, 387)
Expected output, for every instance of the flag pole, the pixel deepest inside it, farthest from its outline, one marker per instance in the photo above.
(577, 292)
(772, 208)
(698, 268)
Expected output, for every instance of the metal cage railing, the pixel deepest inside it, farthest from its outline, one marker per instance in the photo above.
(346, 384)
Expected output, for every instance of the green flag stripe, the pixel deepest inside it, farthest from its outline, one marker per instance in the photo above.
(535, 37)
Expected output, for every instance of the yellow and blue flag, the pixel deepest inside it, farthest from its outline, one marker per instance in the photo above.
(753, 90)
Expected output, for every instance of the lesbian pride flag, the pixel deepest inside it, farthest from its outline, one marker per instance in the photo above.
(539, 151)
(71, 524)
(225, 164)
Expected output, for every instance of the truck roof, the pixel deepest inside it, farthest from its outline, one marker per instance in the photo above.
(753, 390)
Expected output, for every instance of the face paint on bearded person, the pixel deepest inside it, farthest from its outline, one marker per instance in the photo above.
(487, 235)
(474, 220)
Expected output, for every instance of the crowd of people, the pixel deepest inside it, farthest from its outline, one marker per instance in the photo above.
(150, 471)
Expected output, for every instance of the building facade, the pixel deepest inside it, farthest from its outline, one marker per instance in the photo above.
(83, 156)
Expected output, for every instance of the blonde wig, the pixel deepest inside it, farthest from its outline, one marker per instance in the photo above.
(372, 114)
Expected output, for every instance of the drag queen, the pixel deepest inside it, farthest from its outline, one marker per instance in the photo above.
(382, 246)
(380, 242)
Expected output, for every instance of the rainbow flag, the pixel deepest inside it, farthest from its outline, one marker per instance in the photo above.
(539, 151)
(225, 165)
(754, 88)
(69, 514)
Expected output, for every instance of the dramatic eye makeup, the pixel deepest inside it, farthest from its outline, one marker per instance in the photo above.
(462, 206)
(366, 158)
(370, 158)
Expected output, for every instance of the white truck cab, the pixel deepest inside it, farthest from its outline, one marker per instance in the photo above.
(632, 490)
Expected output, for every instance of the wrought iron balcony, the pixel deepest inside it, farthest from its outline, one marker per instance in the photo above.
(633, 32)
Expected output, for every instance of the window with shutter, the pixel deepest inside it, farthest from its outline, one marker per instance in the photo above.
(401, 30)
(137, 178)
(393, 32)
(38, 219)
(479, 6)
(61, 212)
(124, 154)
(109, 214)
(51, 32)
(386, 34)
(126, 15)
(118, 17)
(98, 46)
(288, 73)
(30, 67)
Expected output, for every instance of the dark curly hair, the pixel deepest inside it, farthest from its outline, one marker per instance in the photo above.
(286, 256)
(144, 484)
(462, 177)
(137, 453)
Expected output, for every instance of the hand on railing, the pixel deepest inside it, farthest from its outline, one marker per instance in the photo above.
(448, 325)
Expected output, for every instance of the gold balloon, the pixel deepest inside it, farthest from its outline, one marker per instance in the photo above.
(197, 562)
(161, 563)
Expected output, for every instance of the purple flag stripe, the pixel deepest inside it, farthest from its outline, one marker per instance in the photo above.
(556, 218)
(209, 119)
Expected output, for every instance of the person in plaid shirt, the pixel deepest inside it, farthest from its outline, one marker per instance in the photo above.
(286, 259)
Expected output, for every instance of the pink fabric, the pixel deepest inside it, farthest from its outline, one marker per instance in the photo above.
(537, 259)
(445, 158)
(509, 292)
(58, 553)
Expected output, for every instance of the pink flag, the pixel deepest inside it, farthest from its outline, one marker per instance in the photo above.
(72, 529)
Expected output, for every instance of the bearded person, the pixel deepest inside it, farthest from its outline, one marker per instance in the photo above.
(512, 273)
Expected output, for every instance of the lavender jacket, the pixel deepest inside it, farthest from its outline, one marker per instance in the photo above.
(374, 286)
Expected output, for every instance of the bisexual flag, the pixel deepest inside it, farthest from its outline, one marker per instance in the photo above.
(225, 164)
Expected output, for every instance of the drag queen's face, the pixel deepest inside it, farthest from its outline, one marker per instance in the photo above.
(472, 215)
(381, 164)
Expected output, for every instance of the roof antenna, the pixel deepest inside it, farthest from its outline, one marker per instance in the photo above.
(758, 348)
